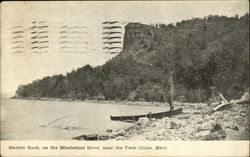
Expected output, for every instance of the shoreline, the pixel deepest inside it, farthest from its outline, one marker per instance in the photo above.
(194, 124)
(125, 102)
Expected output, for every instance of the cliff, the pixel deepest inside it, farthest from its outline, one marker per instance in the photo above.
(208, 53)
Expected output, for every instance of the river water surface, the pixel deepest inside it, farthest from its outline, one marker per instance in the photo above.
(62, 120)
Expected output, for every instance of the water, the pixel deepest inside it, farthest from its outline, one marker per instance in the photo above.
(62, 120)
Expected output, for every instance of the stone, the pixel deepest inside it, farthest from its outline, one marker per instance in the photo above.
(152, 119)
(236, 127)
(143, 121)
(137, 127)
(237, 135)
(120, 138)
(153, 125)
(183, 117)
(231, 125)
(216, 127)
(103, 137)
(202, 133)
(206, 126)
(217, 135)
(90, 137)
(109, 130)
(174, 125)
(129, 128)
(119, 133)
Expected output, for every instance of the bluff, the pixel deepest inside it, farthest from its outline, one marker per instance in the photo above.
(206, 55)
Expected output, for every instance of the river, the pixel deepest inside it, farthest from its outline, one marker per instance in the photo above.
(62, 120)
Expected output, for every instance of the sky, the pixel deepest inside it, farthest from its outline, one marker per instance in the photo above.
(23, 68)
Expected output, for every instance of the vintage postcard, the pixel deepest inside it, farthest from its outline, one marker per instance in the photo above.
(125, 78)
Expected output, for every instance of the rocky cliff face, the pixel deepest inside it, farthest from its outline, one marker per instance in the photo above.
(139, 36)
(140, 41)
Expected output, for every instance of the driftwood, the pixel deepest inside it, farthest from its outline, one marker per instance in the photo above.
(222, 97)
(243, 99)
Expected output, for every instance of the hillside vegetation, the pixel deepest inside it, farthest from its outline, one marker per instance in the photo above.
(202, 53)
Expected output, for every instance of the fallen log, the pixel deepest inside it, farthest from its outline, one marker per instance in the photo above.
(243, 99)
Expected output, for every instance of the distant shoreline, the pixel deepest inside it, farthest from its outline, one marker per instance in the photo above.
(139, 103)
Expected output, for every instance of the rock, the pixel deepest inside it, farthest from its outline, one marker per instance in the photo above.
(90, 137)
(111, 137)
(197, 112)
(129, 128)
(202, 133)
(166, 119)
(217, 135)
(199, 121)
(206, 126)
(119, 133)
(160, 132)
(144, 129)
(219, 115)
(216, 127)
(152, 119)
(153, 125)
(143, 121)
(175, 125)
(103, 137)
(137, 127)
(231, 125)
(237, 135)
(109, 130)
(183, 117)
(167, 126)
(236, 127)
(243, 114)
(228, 125)
(120, 138)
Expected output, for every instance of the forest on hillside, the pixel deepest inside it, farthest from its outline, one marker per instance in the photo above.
(203, 54)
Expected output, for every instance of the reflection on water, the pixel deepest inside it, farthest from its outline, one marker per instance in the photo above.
(61, 120)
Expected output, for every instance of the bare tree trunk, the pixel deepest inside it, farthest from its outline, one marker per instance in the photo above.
(171, 90)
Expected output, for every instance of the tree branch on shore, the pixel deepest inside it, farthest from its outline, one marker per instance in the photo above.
(243, 99)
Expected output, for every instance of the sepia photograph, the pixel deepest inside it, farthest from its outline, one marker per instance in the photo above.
(125, 71)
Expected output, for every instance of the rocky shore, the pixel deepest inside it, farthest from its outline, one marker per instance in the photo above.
(195, 123)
